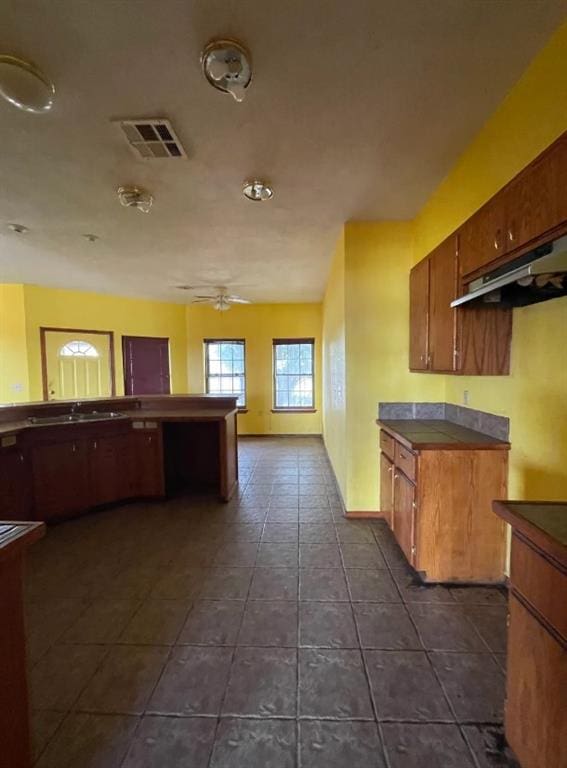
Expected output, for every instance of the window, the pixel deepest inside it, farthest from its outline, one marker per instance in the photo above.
(225, 369)
(293, 374)
(78, 349)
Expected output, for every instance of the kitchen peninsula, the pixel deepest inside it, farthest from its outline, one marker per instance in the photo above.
(61, 458)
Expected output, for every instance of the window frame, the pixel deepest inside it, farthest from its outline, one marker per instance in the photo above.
(290, 408)
(243, 408)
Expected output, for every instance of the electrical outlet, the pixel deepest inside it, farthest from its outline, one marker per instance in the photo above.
(465, 397)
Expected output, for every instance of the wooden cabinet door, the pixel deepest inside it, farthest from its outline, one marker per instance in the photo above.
(14, 496)
(386, 488)
(419, 317)
(108, 456)
(482, 238)
(60, 479)
(404, 515)
(442, 317)
(146, 463)
(536, 201)
(536, 681)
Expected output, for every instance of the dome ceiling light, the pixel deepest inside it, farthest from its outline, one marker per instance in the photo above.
(227, 66)
(135, 197)
(24, 86)
(257, 191)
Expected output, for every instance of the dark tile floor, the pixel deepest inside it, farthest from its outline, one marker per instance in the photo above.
(266, 633)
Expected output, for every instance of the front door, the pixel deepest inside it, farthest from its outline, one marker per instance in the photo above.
(146, 365)
(77, 364)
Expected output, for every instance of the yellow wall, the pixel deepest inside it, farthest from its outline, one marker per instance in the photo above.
(534, 396)
(376, 260)
(258, 324)
(94, 311)
(14, 379)
(334, 367)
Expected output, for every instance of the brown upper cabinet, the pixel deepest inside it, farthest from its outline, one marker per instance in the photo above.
(472, 341)
(476, 339)
(419, 317)
(525, 213)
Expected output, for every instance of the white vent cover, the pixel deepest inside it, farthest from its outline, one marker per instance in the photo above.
(152, 138)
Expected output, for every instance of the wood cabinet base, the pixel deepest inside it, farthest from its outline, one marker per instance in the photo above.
(536, 691)
(439, 506)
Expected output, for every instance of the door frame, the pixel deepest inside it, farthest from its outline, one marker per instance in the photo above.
(47, 329)
(152, 338)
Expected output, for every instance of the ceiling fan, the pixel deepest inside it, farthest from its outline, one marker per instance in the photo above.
(219, 299)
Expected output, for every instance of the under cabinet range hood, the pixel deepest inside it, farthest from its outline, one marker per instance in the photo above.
(536, 276)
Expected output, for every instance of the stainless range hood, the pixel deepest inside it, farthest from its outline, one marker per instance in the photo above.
(536, 276)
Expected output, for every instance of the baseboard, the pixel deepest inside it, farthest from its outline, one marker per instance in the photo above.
(279, 434)
(365, 515)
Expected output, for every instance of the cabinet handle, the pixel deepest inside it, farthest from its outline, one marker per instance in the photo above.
(413, 505)
(396, 476)
(497, 237)
(95, 445)
(511, 237)
(390, 469)
(149, 438)
(74, 447)
(21, 455)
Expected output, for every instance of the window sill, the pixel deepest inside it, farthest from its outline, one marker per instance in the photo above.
(294, 410)
(242, 410)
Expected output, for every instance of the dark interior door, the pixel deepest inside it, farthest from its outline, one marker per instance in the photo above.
(146, 365)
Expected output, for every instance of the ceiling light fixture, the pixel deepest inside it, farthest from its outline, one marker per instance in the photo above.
(227, 66)
(91, 238)
(19, 229)
(135, 197)
(257, 191)
(25, 86)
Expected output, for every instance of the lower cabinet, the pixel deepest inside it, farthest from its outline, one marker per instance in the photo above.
(403, 523)
(146, 463)
(108, 482)
(15, 499)
(60, 479)
(439, 507)
(70, 476)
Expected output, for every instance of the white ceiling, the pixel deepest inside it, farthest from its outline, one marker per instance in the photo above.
(357, 110)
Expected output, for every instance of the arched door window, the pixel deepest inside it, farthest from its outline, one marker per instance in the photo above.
(78, 349)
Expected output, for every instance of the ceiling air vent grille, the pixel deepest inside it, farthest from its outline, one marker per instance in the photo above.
(154, 138)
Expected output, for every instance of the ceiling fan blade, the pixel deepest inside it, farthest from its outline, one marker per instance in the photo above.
(238, 300)
(206, 297)
(202, 301)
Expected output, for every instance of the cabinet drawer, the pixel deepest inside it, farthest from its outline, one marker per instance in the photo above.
(387, 444)
(406, 461)
(542, 584)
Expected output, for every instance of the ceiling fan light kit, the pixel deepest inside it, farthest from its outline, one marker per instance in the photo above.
(24, 86)
(19, 229)
(220, 300)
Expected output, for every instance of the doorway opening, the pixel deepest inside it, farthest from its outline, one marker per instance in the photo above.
(77, 363)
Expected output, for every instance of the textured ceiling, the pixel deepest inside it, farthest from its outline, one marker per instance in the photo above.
(357, 110)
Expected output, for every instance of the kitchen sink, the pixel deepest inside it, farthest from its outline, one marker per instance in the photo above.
(74, 418)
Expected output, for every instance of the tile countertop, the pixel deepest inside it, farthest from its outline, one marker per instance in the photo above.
(543, 522)
(436, 434)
